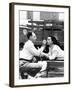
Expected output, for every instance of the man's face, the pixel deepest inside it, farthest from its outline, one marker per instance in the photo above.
(33, 37)
(49, 41)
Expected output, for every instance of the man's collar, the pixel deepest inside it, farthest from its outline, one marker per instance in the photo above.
(30, 41)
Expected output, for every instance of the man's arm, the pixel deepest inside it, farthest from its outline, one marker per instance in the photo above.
(49, 56)
(34, 51)
(42, 48)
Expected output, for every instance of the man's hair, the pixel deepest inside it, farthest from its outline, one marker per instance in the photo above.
(29, 34)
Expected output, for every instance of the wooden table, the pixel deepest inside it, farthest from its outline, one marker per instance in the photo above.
(55, 68)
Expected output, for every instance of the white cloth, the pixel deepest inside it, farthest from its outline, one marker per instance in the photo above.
(55, 52)
(29, 51)
(44, 65)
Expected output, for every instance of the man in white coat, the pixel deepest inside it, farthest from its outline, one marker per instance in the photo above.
(27, 54)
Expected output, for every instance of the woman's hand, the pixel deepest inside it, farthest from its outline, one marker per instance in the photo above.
(44, 54)
(44, 42)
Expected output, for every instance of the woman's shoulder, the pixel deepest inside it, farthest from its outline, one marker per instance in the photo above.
(56, 47)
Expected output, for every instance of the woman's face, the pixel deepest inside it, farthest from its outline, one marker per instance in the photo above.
(49, 41)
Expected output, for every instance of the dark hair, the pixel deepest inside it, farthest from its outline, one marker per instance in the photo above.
(55, 41)
(21, 45)
(29, 34)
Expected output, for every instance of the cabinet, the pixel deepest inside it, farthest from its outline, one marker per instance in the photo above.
(44, 28)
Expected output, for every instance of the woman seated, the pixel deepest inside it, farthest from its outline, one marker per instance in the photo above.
(55, 50)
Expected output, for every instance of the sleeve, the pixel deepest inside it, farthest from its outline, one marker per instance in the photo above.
(34, 51)
(41, 49)
(53, 55)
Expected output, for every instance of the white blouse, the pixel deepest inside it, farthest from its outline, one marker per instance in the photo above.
(55, 51)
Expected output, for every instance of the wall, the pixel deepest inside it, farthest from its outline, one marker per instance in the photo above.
(49, 16)
(4, 44)
(42, 15)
